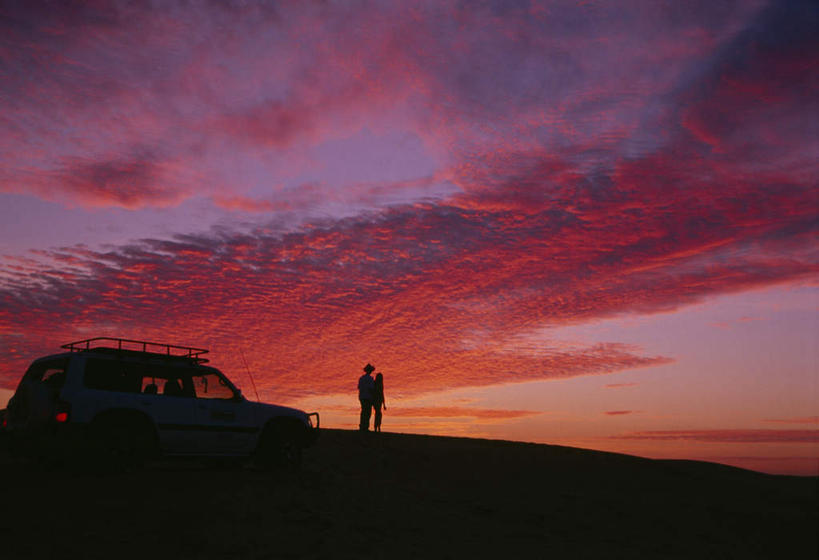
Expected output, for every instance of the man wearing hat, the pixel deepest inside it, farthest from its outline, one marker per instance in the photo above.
(366, 395)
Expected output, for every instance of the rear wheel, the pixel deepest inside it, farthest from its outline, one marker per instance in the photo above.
(121, 442)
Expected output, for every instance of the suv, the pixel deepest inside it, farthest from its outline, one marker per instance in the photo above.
(123, 401)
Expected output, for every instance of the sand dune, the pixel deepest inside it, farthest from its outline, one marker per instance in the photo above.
(409, 496)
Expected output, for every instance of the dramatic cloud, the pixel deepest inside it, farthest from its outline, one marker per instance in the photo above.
(433, 187)
(442, 295)
(321, 302)
(240, 97)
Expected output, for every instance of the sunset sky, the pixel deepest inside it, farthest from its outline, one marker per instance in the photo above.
(581, 223)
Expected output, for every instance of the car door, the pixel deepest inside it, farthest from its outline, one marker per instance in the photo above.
(172, 409)
(224, 417)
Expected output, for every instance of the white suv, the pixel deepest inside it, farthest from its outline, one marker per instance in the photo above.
(122, 401)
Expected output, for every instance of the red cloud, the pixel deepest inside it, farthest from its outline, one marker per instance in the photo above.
(438, 295)
(802, 420)
(320, 302)
(246, 204)
(129, 183)
(277, 124)
(618, 412)
(620, 385)
(728, 436)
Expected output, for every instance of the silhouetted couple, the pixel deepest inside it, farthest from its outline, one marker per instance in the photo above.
(371, 396)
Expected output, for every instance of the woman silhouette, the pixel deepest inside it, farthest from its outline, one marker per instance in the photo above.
(378, 401)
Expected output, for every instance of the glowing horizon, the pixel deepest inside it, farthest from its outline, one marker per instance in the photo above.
(545, 221)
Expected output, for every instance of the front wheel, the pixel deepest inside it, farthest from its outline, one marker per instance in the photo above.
(280, 445)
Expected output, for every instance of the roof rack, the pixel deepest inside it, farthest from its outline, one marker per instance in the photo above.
(133, 346)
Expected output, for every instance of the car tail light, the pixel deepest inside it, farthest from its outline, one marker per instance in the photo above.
(61, 412)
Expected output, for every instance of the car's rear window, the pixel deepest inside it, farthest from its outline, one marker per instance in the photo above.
(51, 372)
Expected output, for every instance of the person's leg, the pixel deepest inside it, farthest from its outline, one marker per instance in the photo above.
(364, 420)
(377, 423)
(366, 413)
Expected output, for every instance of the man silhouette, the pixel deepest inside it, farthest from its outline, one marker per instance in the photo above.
(366, 393)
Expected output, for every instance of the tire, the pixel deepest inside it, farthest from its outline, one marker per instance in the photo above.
(280, 445)
(120, 443)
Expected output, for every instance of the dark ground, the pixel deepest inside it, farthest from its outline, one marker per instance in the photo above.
(405, 496)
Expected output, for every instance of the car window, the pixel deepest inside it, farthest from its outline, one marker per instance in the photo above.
(111, 375)
(50, 373)
(170, 382)
(212, 386)
(133, 377)
(54, 377)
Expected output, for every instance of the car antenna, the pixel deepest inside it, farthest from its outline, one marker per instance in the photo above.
(250, 375)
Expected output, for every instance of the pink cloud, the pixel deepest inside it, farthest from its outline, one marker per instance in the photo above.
(446, 286)
(128, 183)
(620, 385)
(322, 285)
(236, 88)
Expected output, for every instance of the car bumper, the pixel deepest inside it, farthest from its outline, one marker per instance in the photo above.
(55, 440)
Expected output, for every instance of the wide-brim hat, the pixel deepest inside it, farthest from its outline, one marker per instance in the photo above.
(369, 368)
